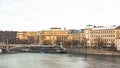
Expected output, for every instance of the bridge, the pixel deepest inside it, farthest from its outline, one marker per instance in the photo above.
(11, 46)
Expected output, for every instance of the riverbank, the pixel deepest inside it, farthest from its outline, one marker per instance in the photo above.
(91, 51)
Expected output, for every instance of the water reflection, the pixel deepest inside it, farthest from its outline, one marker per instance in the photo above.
(36, 60)
(95, 61)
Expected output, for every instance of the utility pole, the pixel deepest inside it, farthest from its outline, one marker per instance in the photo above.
(7, 46)
(3, 40)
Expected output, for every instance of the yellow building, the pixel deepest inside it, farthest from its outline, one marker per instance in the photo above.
(21, 35)
(53, 36)
(24, 35)
(30, 33)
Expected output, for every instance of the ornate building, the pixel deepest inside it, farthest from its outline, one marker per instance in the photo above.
(53, 36)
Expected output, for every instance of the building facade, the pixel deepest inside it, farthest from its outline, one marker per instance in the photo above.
(100, 35)
(89, 36)
(21, 35)
(25, 37)
(54, 36)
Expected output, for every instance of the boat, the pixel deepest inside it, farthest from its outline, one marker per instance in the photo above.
(47, 49)
(2, 50)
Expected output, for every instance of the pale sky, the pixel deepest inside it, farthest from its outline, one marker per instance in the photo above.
(36, 15)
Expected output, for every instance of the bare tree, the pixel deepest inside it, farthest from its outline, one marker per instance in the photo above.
(75, 42)
(112, 45)
(99, 42)
(46, 42)
(58, 42)
(30, 39)
(36, 39)
(83, 42)
(67, 43)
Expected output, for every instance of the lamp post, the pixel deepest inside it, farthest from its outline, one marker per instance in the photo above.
(5, 41)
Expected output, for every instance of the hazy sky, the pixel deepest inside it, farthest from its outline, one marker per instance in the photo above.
(29, 15)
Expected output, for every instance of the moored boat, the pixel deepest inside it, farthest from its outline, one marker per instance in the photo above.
(47, 49)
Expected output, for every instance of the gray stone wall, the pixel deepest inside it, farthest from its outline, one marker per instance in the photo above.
(75, 50)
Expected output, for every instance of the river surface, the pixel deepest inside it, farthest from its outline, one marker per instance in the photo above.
(37, 60)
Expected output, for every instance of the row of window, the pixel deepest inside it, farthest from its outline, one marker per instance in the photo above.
(58, 38)
(105, 31)
(102, 35)
(103, 44)
(55, 32)
(62, 38)
(104, 40)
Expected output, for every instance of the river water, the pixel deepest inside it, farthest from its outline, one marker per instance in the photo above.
(37, 60)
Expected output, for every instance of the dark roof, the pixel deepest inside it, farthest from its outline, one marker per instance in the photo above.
(55, 28)
(75, 31)
(118, 27)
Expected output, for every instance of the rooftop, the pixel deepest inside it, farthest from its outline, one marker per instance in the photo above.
(101, 27)
(55, 28)
(118, 27)
(75, 31)
(89, 26)
(104, 27)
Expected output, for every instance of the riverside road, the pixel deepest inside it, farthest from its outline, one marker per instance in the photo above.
(38, 60)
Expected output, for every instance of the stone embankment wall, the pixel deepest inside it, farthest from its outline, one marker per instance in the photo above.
(91, 51)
